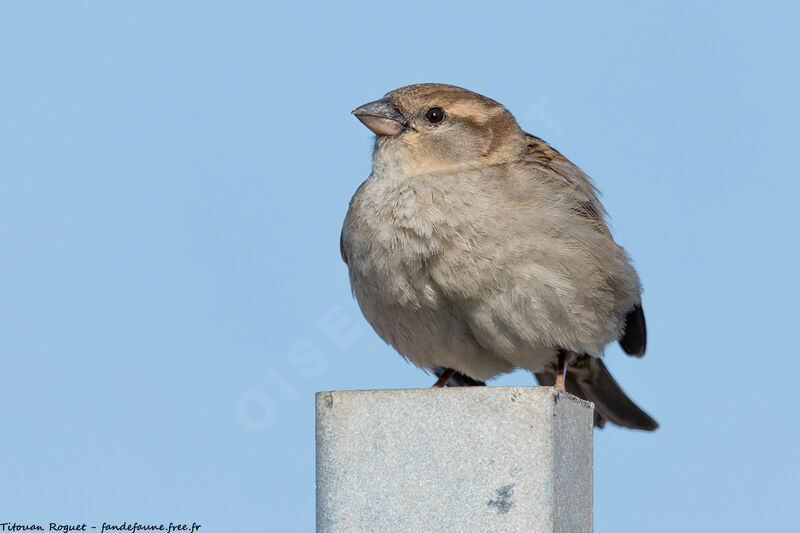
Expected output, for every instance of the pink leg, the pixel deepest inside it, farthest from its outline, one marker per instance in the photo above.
(444, 378)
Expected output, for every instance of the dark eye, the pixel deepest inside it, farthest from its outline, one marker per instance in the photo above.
(434, 115)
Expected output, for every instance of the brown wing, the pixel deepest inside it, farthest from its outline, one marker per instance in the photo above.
(583, 199)
(577, 185)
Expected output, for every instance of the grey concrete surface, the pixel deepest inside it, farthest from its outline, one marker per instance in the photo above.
(457, 459)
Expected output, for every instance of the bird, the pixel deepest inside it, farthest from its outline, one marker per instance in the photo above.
(475, 248)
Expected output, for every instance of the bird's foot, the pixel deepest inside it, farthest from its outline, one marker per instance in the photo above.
(561, 371)
(444, 378)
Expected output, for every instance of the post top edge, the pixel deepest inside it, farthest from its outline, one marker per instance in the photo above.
(552, 392)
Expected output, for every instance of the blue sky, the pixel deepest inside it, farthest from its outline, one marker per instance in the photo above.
(173, 178)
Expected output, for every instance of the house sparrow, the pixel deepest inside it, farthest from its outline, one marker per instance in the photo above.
(475, 248)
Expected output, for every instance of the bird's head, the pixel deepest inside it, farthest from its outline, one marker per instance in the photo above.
(430, 128)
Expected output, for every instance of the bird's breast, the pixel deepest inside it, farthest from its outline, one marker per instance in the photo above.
(395, 234)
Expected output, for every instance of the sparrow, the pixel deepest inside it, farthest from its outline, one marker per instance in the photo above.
(475, 248)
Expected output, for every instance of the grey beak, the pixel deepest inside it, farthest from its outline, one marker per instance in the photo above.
(381, 117)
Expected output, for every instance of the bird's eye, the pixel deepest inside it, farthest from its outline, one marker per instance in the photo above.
(434, 115)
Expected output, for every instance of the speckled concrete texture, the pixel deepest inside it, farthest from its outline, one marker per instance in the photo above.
(459, 459)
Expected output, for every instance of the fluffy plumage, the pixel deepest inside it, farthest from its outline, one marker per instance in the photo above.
(478, 247)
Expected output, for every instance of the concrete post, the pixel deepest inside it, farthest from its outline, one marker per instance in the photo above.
(457, 459)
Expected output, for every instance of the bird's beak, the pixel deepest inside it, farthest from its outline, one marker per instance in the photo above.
(381, 117)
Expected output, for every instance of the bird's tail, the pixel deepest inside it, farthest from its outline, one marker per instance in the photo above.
(588, 378)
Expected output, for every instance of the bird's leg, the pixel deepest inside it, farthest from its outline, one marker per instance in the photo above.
(561, 372)
(444, 378)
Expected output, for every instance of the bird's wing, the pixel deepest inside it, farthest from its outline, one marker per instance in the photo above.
(341, 247)
(574, 183)
(577, 188)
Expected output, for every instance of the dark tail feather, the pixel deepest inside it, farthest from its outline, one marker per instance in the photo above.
(588, 378)
(634, 341)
